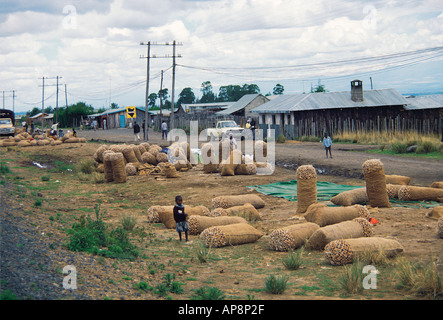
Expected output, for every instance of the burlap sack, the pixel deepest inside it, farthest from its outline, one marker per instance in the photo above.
(161, 157)
(306, 187)
(435, 213)
(137, 153)
(323, 215)
(107, 166)
(131, 170)
(229, 165)
(411, 193)
(392, 190)
(24, 143)
(375, 179)
(98, 156)
(246, 211)
(57, 142)
(232, 234)
(153, 149)
(350, 197)
(148, 157)
(440, 228)
(211, 167)
(355, 228)
(199, 223)
(129, 154)
(238, 200)
(246, 169)
(71, 140)
(170, 171)
(118, 167)
(437, 184)
(224, 150)
(260, 151)
(344, 251)
(396, 179)
(218, 212)
(166, 214)
(291, 237)
(10, 143)
(152, 213)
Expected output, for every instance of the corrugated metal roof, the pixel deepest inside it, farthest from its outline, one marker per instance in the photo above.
(330, 100)
(433, 101)
(239, 104)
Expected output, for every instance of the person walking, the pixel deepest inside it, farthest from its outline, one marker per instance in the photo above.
(252, 127)
(327, 143)
(164, 130)
(136, 131)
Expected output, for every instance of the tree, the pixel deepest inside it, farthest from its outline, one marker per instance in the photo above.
(250, 89)
(114, 105)
(235, 92)
(186, 96)
(208, 95)
(319, 88)
(163, 95)
(151, 99)
(278, 89)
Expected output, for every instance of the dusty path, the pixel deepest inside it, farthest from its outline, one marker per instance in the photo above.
(346, 162)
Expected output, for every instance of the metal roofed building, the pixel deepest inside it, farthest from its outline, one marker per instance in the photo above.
(244, 105)
(313, 114)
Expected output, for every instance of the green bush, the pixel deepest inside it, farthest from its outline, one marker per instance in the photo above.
(281, 138)
(93, 236)
(399, 147)
(208, 293)
(426, 147)
(293, 260)
(276, 284)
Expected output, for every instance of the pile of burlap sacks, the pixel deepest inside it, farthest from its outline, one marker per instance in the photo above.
(222, 159)
(119, 161)
(228, 223)
(24, 139)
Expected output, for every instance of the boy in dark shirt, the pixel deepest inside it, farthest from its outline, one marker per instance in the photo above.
(181, 225)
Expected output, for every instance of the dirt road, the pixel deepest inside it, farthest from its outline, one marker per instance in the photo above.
(346, 162)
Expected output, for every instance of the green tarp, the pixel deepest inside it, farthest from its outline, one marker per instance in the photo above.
(325, 191)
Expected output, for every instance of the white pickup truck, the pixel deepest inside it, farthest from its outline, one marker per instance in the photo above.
(224, 128)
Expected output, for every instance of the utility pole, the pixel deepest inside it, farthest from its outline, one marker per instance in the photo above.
(160, 96)
(149, 43)
(171, 118)
(56, 105)
(43, 94)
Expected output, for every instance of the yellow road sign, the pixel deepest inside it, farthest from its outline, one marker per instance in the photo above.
(130, 111)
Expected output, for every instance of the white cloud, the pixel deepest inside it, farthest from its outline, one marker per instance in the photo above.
(101, 49)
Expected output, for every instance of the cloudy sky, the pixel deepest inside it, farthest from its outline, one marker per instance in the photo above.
(94, 46)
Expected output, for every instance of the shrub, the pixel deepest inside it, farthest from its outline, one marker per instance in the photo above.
(86, 166)
(293, 260)
(4, 168)
(426, 147)
(281, 138)
(399, 147)
(351, 279)
(128, 222)
(208, 293)
(276, 284)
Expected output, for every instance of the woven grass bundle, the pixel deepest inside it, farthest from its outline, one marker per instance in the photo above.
(9, 142)
(392, 190)
(344, 251)
(129, 154)
(153, 149)
(44, 142)
(440, 228)
(350, 197)
(232, 234)
(411, 193)
(72, 140)
(375, 179)
(238, 200)
(437, 184)
(57, 142)
(435, 213)
(396, 179)
(323, 215)
(146, 145)
(107, 166)
(199, 223)
(118, 167)
(291, 237)
(306, 187)
(166, 214)
(355, 228)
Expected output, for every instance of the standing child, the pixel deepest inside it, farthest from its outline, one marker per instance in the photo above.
(327, 142)
(181, 225)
